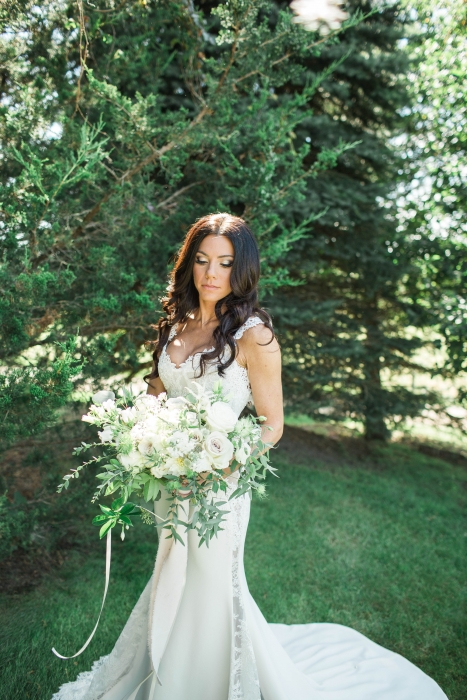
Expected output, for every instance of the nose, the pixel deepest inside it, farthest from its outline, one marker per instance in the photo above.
(211, 270)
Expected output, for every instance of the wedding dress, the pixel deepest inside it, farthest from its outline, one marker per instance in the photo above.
(197, 634)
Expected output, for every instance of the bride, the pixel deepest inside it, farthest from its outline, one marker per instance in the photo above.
(196, 633)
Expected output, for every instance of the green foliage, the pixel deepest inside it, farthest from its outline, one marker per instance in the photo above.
(15, 527)
(30, 396)
(436, 198)
(120, 127)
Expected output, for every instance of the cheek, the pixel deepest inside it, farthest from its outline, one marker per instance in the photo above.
(226, 278)
(197, 275)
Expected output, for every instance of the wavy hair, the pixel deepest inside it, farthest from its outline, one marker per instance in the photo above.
(233, 310)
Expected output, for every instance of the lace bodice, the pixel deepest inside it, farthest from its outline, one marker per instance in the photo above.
(235, 380)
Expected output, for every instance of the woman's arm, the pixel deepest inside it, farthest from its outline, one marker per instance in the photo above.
(263, 362)
(155, 386)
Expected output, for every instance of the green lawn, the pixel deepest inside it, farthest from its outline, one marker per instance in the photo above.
(372, 539)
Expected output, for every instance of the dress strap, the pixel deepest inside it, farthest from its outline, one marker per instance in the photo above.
(173, 333)
(249, 323)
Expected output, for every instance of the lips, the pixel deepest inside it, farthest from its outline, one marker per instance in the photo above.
(209, 286)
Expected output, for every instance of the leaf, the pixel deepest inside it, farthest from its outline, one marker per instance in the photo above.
(106, 510)
(106, 527)
(118, 503)
(127, 509)
(103, 475)
(125, 519)
(99, 519)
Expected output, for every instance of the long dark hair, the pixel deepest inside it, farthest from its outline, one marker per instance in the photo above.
(239, 305)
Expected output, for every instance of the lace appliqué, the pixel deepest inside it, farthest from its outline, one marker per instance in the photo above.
(250, 323)
(76, 690)
(177, 380)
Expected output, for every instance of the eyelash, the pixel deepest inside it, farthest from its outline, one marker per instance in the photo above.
(204, 262)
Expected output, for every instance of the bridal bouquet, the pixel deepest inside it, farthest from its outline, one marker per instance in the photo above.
(181, 446)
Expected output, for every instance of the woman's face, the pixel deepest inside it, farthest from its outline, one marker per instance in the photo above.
(212, 268)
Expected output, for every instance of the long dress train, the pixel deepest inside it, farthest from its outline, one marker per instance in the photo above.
(197, 634)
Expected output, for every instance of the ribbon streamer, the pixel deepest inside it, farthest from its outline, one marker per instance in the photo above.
(107, 577)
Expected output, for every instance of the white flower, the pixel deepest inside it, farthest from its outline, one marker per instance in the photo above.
(128, 414)
(159, 471)
(197, 435)
(171, 416)
(219, 449)
(148, 444)
(101, 396)
(109, 405)
(178, 402)
(137, 432)
(221, 417)
(183, 442)
(176, 466)
(89, 419)
(242, 452)
(106, 435)
(319, 14)
(191, 417)
(131, 460)
(203, 463)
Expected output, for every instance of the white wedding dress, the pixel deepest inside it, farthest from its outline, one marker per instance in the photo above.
(197, 634)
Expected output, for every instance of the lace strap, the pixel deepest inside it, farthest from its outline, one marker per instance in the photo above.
(173, 333)
(249, 323)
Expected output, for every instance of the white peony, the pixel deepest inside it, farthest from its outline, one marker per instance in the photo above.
(319, 14)
(149, 444)
(221, 417)
(242, 452)
(101, 396)
(219, 449)
(131, 460)
(106, 435)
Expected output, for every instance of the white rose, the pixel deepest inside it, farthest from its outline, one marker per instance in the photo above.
(242, 452)
(106, 435)
(221, 417)
(219, 448)
(101, 396)
(148, 444)
(131, 460)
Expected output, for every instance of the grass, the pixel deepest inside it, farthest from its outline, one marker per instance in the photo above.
(370, 538)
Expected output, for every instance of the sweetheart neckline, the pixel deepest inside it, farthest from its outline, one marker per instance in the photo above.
(190, 357)
(193, 355)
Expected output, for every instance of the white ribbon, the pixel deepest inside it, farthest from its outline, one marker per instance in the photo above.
(107, 577)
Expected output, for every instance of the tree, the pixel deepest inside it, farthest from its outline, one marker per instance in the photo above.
(121, 125)
(344, 329)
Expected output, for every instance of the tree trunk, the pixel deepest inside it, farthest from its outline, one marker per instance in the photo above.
(373, 393)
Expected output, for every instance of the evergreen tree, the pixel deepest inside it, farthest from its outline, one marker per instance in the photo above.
(119, 126)
(344, 328)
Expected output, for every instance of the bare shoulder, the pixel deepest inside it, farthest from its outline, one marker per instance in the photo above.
(257, 342)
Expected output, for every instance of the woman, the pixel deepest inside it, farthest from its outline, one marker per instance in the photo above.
(196, 633)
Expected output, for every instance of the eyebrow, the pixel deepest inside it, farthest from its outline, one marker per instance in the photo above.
(229, 255)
